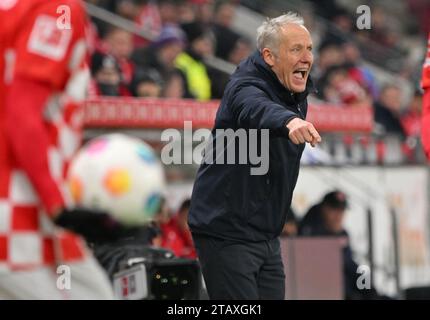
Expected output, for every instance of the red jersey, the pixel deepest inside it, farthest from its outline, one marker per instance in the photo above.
(42, 42)
(425, 128)
(177, 240)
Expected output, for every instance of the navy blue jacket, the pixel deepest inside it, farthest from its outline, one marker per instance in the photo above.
(227, 201)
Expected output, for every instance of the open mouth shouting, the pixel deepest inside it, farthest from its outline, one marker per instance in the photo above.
(301, 74)
(298, 78)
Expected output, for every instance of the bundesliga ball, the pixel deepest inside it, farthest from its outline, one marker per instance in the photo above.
(118, 174)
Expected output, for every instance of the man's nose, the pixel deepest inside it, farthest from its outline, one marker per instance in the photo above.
(307, 57)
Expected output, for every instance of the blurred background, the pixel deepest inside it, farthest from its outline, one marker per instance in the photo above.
(156, 64)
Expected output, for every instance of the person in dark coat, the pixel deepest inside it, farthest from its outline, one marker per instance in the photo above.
(387, 110)
(160, 55)
(325, 219)
(238, 209)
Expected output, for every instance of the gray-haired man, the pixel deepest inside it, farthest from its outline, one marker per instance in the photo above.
(236, 217)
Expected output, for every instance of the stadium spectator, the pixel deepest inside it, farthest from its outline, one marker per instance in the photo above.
(230, 45)
(168, 10)
(204, 11)
(325, 219)
(128, 9)
(106, 77)
(357, 70)
(119, 43)
(241, 50)
(329, 54)
(387, 110)
(146, 83)
(161, 55)
(340, 88)
(175, 86)
(186, 12)
(224, 12)
(149, 20)
(176, 235)
(152, 16)
(191, 62)
(342, 25)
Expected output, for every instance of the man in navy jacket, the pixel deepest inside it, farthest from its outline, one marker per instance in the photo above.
(237, 214)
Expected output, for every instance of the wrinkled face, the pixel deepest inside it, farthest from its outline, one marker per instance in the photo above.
(293, 60)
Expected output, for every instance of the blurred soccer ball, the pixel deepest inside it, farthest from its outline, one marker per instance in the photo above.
(118, 174)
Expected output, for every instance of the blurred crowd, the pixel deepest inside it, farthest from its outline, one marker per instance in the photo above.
(184, 34)
(378, 67)
(173, 63)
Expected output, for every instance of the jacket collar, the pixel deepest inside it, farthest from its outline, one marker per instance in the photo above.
(283, 92)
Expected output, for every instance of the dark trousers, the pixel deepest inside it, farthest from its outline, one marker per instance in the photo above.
(238, 270)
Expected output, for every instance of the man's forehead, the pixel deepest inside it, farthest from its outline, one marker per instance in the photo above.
(295, 33)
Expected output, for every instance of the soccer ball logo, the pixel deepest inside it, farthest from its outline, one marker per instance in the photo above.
(118, 174)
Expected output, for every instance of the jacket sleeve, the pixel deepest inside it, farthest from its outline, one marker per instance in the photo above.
(253, 109)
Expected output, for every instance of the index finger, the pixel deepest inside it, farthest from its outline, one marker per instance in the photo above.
(315, 134)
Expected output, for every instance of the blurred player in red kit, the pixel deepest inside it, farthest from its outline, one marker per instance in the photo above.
(176, 235)
(426, 102)
(43, 76)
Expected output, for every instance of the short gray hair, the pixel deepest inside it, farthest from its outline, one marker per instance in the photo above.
(268, 32)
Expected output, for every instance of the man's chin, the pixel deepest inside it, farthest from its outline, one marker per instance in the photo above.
(297, 89)
(297, 86)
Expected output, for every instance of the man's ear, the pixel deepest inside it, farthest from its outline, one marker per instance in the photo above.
(268, 57)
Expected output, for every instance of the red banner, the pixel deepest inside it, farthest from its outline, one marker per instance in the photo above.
(171, 113)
